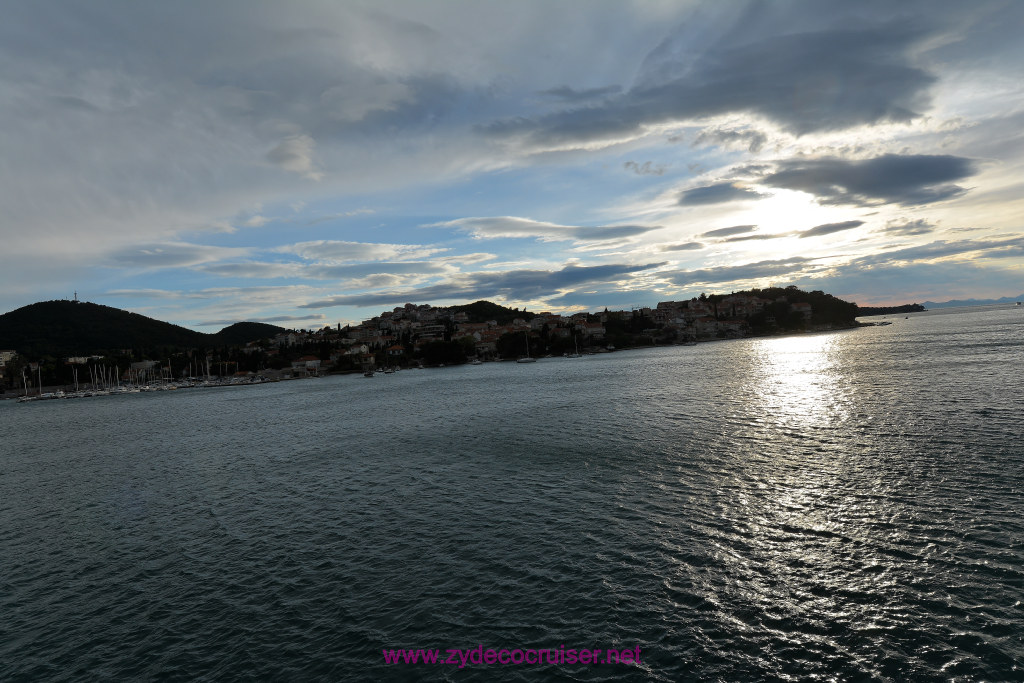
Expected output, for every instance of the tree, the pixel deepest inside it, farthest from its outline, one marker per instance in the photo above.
(446, 352)
(511, 345)
(468, 344)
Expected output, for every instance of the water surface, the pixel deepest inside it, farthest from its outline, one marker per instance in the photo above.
(841, 506)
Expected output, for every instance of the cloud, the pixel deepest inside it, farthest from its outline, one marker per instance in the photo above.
(512, 226)
(154, 294)
(264, 294)
(908, 227)
(295, 154)
(510, 285)
(336, 216)
(907, 180)
(1012, 247)
(336, 250)
(173, 255)
(362, 94)
(724, 232)
(686, 246)
(325, 271)
(829, 228)
(788, 267)
(759, 236)
(342, 272)
(253, 269)
(753, 140)
(123, 148)
(255, 221)
(833, 76)
(646, 168)
(718, 193)
(568, 94)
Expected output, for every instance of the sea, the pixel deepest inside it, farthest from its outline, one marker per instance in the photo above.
(840, 506)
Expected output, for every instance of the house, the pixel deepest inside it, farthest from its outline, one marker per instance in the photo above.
(287, 339)
(541, 319)
(307, 365)
(595, 330)
(696, 308)
(466, 329)
(741, 305)
(358, 350)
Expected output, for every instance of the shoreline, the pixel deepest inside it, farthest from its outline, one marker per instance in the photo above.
(61, 392)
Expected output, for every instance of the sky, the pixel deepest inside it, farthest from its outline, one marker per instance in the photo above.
(314, 163)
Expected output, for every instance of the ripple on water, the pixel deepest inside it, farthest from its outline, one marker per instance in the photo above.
(833, 507)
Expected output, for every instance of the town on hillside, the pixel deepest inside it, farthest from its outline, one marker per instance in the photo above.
(425, 335)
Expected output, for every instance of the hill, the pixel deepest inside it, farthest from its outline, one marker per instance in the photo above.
(69, 328)
(827, 309)
(889, 310)
(243, 333)
(482, 311)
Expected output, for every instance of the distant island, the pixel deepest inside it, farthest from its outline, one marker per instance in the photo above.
(889, 310)
(59, 342)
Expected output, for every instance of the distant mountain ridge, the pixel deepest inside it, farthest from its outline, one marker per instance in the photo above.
(973, 302)
(70, 328)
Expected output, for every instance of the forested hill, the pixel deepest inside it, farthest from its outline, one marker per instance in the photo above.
(243, 333)
(482, 311)
(889, 310)
(827, 309)
(69, 328)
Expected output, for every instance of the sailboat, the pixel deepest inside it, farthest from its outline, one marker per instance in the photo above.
(577, 353)
(527, 358)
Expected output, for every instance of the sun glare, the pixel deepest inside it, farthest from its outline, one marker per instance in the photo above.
(788, 211)
(798, 385)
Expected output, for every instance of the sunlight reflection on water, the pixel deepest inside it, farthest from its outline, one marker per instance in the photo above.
(798, 382)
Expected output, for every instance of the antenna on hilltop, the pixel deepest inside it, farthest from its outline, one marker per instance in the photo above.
(76, 296)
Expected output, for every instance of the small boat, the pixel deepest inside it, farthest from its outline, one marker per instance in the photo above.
(476, 361)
